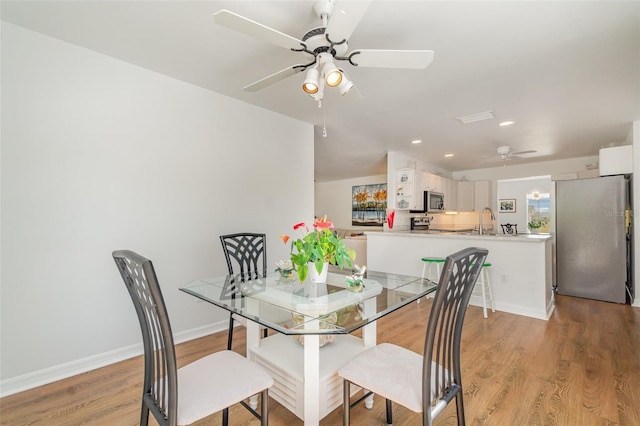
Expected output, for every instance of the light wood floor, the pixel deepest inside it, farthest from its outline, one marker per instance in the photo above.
(582, 367)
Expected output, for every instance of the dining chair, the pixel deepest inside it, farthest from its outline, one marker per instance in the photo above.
(246, 255)
(509, 228)
(180, 396)
(422, 383)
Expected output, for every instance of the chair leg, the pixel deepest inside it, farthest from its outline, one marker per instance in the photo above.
(225, 417)
(346, 402)
(264, 409)
(389, 413)
(144, 415)
(460, 408)
(484, 296)
(230, 334)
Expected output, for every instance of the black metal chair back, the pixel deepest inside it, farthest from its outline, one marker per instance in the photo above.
(509, 228)
(159, 394)
(441, 379)
(246, 255)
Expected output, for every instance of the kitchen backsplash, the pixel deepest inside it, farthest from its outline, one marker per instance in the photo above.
(442, 220)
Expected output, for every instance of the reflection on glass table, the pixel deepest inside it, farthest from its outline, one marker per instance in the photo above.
(273, 301)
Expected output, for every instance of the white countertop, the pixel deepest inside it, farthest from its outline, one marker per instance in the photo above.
(534, 238)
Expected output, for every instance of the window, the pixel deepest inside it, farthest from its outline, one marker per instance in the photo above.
(538, 212)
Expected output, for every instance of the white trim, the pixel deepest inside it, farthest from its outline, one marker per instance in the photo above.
(73, 368)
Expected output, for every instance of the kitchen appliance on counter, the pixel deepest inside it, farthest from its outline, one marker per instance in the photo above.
(421, 223)
(594, 251)
(433, 203)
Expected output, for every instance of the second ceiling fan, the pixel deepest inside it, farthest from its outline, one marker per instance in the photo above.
(324, 47)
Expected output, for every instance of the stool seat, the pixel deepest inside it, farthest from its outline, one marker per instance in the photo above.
(433, 259)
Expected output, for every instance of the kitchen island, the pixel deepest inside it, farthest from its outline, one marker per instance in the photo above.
(521, 271)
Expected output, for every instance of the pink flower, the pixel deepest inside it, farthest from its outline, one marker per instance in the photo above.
(322, 224)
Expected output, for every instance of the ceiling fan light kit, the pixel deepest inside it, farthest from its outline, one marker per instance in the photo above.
(331, 73)
(326, 45)
(345, 85)
(310, 84)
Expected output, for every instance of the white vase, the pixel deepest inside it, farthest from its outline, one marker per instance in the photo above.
(315, 277)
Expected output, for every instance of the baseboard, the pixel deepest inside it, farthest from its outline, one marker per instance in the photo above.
(73, 368)
(513, 309)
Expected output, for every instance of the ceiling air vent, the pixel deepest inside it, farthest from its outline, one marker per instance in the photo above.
(472, 118)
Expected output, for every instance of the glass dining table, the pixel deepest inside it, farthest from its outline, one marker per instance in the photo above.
(313, 324)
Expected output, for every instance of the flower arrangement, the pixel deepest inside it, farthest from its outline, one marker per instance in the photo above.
(318, 246)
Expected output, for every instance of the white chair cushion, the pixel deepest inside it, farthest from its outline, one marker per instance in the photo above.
(390, 371)
(215, 382)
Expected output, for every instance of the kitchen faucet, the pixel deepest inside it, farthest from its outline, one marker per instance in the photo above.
(493, 217)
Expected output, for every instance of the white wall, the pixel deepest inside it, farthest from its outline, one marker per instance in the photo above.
(334, 200)
(99, 155)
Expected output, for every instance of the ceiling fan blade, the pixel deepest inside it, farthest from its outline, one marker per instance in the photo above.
(530, 151)
(412, 59)
(254, 29)
(273, 78)
(345, 18)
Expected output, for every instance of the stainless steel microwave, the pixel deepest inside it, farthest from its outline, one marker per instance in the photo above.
(433, 203)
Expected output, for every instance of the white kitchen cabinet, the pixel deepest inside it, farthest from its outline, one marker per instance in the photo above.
(434, 183)
(474, 196)
(482, 195)
(466, 196)
(409, 190)
(451, 195)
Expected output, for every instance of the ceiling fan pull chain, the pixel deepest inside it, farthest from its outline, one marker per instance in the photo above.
(324, 120)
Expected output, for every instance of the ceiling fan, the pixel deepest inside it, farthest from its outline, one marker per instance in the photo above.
(504, 153)
(323, 47)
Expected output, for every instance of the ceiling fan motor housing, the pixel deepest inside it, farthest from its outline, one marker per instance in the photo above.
(503, 150)
(317, 43)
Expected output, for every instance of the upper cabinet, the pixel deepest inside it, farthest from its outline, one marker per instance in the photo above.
(434, 183)
(482, 195)
(474, 196)
(451, 195)
(466, 196)
(409, 189)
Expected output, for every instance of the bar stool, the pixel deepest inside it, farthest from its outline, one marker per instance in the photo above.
(431, 262)
(427, 264)
(485, 285)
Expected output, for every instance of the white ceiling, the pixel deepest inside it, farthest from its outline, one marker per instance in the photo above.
(568, 73)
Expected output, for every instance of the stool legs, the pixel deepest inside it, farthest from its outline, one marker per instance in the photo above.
(486, 288)
(426, 273)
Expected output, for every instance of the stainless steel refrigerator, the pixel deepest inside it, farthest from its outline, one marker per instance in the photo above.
(594, 239)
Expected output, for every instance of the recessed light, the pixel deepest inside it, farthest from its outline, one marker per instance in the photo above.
(448, 155)
(505, 123)
(416, 141)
